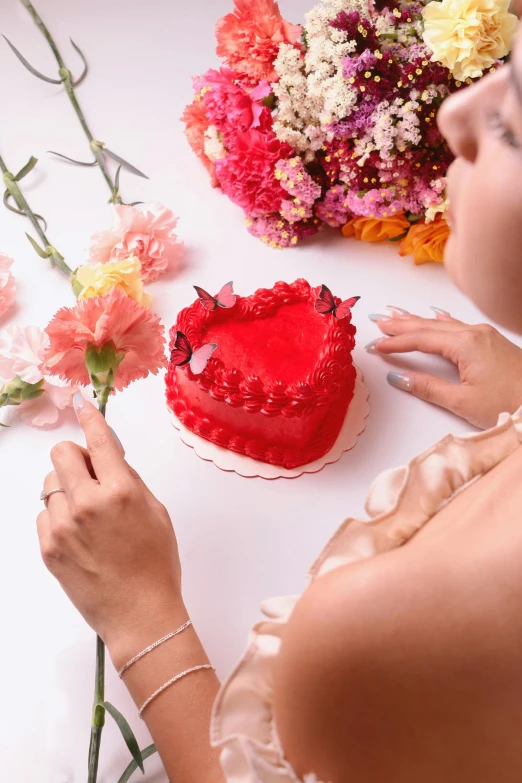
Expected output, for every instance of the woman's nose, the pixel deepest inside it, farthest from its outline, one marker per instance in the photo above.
(460, 117)
(457, 123)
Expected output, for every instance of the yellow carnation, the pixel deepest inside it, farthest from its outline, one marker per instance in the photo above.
(100, 279)
(467, 36)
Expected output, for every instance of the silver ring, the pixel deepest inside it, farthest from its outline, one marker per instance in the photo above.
(46, 495)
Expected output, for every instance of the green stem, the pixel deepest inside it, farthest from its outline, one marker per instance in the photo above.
(13, 187)
(65, 75)
(98, 712)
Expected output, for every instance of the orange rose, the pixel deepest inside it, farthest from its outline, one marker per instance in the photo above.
(426, 241)
(376, 229)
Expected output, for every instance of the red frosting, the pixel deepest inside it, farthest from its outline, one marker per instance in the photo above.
(279, 384)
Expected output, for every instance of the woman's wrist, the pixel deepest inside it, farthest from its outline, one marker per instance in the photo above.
(144, 627)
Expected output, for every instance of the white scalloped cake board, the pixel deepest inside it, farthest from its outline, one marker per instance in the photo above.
(229, 461)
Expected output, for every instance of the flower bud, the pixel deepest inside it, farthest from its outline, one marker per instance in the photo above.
(17, 391)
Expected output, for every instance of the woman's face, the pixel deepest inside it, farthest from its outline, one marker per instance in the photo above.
(483, 125)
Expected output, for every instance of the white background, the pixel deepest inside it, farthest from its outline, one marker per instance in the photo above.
(240, 540)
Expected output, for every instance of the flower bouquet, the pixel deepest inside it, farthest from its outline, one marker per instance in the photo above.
(335, 123)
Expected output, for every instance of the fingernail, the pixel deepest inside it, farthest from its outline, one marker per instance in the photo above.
(397, 310)
(78, 403)
(440, 313)
(379, 317)
(371, 346)
(400, 381)
(117, 441)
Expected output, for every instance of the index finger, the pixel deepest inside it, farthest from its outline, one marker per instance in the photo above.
(106, 456)
(443, 343)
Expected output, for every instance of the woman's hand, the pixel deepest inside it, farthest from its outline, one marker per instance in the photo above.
(109, 542)
(490, 366)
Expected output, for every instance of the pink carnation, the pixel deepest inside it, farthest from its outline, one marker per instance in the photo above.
(117, 319)
(230, 106)
(247, 174)
(249, 38)
(147, 232)
(22, 353)
(7, 285)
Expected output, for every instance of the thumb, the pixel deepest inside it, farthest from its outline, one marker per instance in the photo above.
(430, 389)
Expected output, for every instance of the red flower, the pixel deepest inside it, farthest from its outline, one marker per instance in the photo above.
(247, 173)
(249, 38)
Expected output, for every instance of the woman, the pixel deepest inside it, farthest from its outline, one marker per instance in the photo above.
(399, 668)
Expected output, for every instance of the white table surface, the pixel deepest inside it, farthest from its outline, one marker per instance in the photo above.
(261, 541)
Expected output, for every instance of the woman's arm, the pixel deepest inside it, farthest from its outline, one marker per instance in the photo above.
(111, 545)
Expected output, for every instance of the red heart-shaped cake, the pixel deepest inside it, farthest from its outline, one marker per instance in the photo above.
(278, 385)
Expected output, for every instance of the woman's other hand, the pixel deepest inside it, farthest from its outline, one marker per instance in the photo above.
(109, 542)
(490, 366)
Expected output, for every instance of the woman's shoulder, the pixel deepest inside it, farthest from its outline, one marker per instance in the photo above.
(412, 655)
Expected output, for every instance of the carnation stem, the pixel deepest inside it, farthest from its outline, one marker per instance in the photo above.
(13, 188)
(98, 711)
(65, 74)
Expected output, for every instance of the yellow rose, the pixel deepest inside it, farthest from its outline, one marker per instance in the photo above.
(100, 279)
(376, 229)
(467, 36)
(426, 241)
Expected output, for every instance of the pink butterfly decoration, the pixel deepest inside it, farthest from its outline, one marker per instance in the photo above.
(226, 297)
(182, 353)
(325, 304)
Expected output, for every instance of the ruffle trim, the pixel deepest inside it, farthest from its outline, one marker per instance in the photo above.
(400, 502)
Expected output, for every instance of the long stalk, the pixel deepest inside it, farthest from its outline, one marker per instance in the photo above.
(65, 74)
(98, 712)
(13, 187)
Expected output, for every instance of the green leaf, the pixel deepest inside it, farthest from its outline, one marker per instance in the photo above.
(80, 79)
(26, 169)
(124, 163)
(127, 734)
(37, 248)
(7, 196)
(401, 236)
(29, 66)
(145, 753)
(117, 179)
(71, 160)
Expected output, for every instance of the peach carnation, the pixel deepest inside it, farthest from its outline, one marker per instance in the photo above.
(7, 285)
(147, 232)
(196, 127)
(135, 334)
(250, 37)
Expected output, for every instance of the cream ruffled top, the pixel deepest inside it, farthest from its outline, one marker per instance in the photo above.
(399, 503)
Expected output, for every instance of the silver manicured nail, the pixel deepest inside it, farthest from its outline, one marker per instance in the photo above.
(117, 441)
(379, 317)
(440, 313)
(397, 310)
(400, 380)
(371, 346)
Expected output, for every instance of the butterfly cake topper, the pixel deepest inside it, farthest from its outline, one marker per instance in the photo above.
(182, 354)
(325, 304)
(226, 297)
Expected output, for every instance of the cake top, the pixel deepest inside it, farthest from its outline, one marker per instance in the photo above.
(274, 349)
